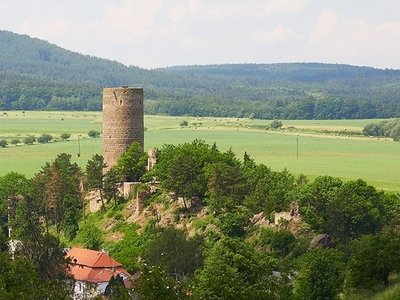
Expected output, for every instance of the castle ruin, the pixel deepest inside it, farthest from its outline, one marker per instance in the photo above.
(122, 121)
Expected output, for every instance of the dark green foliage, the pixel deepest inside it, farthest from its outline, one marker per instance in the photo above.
(373, 259)
(65, 136)
(235, 223)
(181, 168)
(275, 124)
(15, 142)
(59, 185)
(321, 275)
(90, 236)
(226, 184)
(12, 186)
(94, 176)
(3, 143)
(344, 210)
(29, 140)
(94, 172)
(184, 123)
(154, 283)
(44, 138)
(20, 280)
(110, 185)
(177, 254)
(93, 133)
(37, 75)
(116, 289)
(384, 128)
(232, 270)
(269, 190)
(132, 163)
(280, 241)
(132, 246)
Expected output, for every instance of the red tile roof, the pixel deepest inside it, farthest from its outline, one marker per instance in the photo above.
(95, 266)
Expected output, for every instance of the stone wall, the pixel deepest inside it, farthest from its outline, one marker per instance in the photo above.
(122, 121)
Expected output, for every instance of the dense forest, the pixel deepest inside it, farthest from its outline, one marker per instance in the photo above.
(212, 229)
(36, 75)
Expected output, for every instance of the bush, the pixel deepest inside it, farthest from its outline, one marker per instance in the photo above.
(90, 237)
(184, 123)
(45, 138)
(3, 143)
(275, 124)
(29, 140)
(93, 133)
(15, 141)
(65, 136)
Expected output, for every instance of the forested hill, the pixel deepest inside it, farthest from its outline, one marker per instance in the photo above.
(37, 75)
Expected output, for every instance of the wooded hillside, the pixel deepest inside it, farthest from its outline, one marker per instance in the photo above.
(35, 74)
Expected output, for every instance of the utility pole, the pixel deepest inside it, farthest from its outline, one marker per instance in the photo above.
(79, 145)
(297, 147)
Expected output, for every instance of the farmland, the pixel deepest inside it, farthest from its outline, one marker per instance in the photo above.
(324, 147)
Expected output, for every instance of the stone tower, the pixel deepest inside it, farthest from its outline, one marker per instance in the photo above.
(122, 121)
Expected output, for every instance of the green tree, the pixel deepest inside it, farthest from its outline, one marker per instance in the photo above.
(93, 133)
(3, 143)
(344, 210)
(15, 142)
(232, 270)
(29, 140)
(95, 175)
(154, 283)
(45, 138)
(269, 191)
(234, 223)
(373, 259)
(59, 184)
(184, 123)
(179, 255)
(182, 168)
(116, 289)
(65, 136)
(280, 241)
(110, 185)
(90, 236)
(275, 124)
(226, 185)
(321, 274)
(132, 163)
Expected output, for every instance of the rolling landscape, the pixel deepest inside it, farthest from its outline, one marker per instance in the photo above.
(270, 181)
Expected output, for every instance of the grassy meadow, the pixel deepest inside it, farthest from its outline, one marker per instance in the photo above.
(324, 148)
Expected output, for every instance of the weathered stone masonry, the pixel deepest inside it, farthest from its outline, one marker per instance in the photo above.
(122, 121)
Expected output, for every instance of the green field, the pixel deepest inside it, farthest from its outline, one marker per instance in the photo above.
(348, 157)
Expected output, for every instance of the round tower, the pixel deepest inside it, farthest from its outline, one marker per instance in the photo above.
(122, 121)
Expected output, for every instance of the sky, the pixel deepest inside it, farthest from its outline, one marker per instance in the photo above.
(160, 33)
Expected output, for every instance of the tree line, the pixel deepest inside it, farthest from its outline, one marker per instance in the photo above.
(46, 77)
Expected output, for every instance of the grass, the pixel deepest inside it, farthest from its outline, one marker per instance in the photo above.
(322, 151)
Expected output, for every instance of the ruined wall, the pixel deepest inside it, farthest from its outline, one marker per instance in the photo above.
(122, 121)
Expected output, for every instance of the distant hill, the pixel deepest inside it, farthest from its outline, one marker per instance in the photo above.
(35, 74)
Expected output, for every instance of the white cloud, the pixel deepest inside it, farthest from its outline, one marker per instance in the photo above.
(279, 34)
(354, 40)
(254, 8)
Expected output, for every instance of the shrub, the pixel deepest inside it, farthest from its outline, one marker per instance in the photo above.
(184, 123)
(65, 136)
(90, 236)
(275, 124)
(29, 140)
(45, 138)
(3, 143)
(15, 141)
(93, 133)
